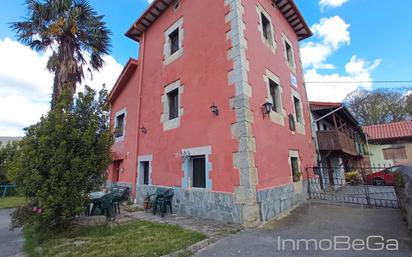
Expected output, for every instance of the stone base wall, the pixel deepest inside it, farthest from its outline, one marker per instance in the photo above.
(199, 203)
(275, 201)
(109, 184)
(404, 193)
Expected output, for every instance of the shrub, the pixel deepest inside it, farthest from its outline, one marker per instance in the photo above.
(62, 158)
(352, 177)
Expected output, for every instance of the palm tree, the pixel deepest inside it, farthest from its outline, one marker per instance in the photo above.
(74, 32)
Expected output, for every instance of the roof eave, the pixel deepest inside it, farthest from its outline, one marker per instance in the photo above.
(287, 7)
(122, 79)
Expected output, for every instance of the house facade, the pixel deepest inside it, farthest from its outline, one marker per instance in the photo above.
(216, 108)
(339, 139)
(390, 144)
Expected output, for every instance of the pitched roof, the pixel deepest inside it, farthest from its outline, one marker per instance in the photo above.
(323, 108)
(127, 72)
(287, 7)
(316, 106)
(396, 130)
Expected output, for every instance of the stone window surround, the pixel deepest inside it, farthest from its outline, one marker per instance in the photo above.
(117, 114)
(297, 185)
(164, 117)
(300, 126)
(279, 116)
(292, 67)
(187, 168)
(140, 159)
(271, 43)
(168, 57)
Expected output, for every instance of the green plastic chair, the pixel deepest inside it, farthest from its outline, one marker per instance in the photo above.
(104, 204)
(164, 201)
(157, 197)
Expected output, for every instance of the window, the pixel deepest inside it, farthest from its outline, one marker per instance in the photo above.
(176, 5)
(289, 54)
(266, 27)
(119, 130)
(199, 171)
(275, 94)
(172, 105)
(145, 167)
(325, 128)
(174, 41)
(298, 109)
(173, 99)
(397, 153)
(294, 162)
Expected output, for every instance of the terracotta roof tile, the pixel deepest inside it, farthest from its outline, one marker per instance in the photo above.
(394, 130)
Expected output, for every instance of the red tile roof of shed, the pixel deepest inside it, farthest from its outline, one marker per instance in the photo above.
(396, 130)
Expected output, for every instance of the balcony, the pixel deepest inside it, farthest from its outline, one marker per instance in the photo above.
(336, 141)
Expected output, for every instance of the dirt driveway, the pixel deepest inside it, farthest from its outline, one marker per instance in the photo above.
(321, 221)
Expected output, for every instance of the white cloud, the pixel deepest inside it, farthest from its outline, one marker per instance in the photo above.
(332, 34)
(334, 31)
(331, 3)
(150, 1)
(357, 70)
(26, 85)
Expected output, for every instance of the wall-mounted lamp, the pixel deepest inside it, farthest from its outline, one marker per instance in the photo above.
(214, 109)
(266, 108)
(143, 130)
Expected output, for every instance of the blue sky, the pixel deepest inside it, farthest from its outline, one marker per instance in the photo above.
(353, 40)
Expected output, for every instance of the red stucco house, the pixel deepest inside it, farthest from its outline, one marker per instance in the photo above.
(216, 108)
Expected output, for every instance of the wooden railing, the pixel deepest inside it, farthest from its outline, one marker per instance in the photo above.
(336, 141)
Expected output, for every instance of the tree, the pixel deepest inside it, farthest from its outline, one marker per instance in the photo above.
(72, 29)
(63, 158)
(7, 153)
(409, 104)
(378, 106)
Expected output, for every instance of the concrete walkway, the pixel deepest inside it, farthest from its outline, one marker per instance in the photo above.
(10, 241)
(318, 221)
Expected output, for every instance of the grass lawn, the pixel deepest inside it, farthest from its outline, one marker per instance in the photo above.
(11, 202)
(141, 238)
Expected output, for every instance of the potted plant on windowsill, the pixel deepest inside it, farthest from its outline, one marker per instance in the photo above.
(296, 176)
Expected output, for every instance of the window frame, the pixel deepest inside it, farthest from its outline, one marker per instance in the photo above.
(290, 60)
(294, 155)
(174, 41)
(192, 172)
(173, 102)
(279, 115)
(269, 39)
(174, 123)
(391, 152)
(300, 123)
(168, 54)
(122, 112)
(297, 104)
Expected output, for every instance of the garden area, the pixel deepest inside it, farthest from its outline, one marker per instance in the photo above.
(10, 202)
(141, 238)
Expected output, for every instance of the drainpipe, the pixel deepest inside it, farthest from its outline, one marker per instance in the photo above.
(139, 104)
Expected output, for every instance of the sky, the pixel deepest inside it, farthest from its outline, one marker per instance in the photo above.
(354, 40)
